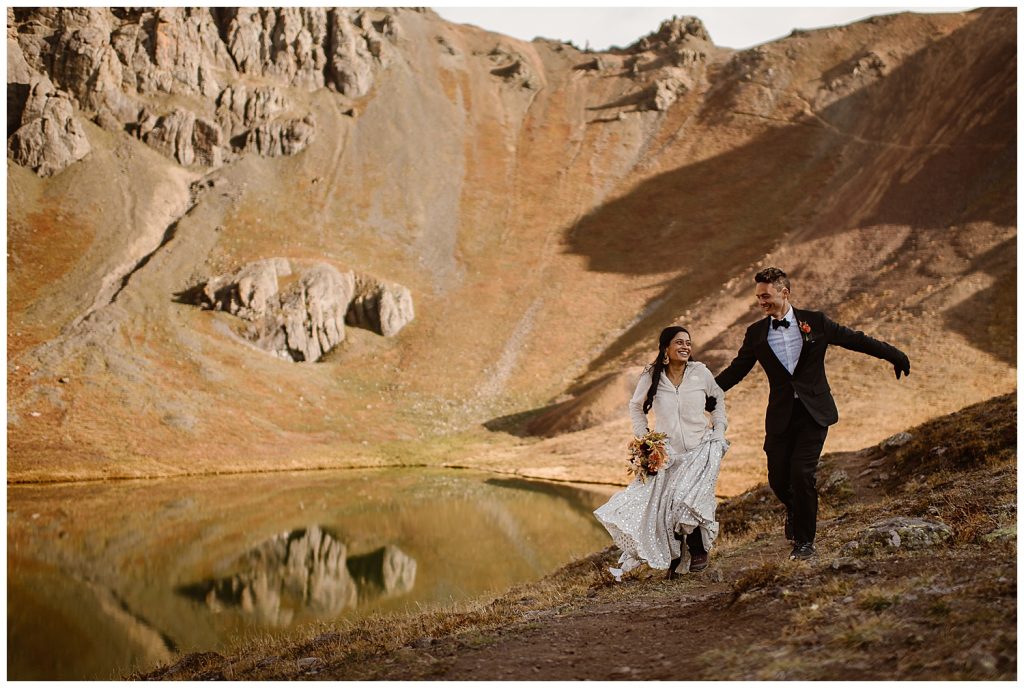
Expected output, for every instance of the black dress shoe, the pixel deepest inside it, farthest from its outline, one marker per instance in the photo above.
(789, 526)
(803, 550)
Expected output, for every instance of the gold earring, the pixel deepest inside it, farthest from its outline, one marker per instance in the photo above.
(664, 359)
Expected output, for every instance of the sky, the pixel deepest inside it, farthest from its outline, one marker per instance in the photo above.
(603, 27)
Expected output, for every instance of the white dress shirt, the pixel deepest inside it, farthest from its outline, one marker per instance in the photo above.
(679, 411)
(786, 342)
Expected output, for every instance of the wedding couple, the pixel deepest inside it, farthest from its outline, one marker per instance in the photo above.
(651, 520)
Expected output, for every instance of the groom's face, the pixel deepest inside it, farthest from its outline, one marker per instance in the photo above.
(773, 301)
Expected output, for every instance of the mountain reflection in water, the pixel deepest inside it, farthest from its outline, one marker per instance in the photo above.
(305, 570)
(104, 578)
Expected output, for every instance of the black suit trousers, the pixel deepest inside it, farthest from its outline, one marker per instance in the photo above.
(793, 466)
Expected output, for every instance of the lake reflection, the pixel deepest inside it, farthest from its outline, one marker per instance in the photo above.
(306, 570)
(104, 578)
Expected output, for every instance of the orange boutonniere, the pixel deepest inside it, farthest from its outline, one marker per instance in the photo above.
(806, 330)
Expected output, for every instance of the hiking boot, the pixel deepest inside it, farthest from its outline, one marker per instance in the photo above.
(698, 561)
(803, 550)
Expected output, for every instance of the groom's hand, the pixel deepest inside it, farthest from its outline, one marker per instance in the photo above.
(711, 402)
(901, 364)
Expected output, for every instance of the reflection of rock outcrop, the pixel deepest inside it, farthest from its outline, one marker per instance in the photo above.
(306, 571)
(385, 572)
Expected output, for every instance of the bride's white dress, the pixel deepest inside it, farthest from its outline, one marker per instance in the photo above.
(644, 518)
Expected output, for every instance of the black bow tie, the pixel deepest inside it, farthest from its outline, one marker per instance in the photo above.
(776, 324)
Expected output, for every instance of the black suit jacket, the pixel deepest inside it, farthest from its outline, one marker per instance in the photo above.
(808, 380)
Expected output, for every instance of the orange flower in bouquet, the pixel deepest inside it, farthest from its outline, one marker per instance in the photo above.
(647, 455)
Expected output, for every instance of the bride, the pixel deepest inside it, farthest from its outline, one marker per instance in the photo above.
(650, 519)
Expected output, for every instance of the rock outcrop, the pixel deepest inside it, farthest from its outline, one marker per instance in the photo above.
(248, 293)
(673, 32)
(184, 137)
(176, 77)
(382, 307)
(306, 318)
(49, 137)
(311, 318)
(900, 533)
(279, 137)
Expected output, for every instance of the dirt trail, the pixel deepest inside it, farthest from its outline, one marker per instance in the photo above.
(696, 630)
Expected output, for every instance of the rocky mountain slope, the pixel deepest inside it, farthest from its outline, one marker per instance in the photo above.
(526, 216)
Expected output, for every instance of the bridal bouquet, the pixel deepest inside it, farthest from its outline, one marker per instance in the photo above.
(647, 455)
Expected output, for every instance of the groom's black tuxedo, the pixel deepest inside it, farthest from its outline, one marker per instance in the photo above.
(808, 380)
(800, 406)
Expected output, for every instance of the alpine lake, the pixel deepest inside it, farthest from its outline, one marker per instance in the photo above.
(107, 578)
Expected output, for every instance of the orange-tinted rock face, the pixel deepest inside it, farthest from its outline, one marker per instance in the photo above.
(549, 210)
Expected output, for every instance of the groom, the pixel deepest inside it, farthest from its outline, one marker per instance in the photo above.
(790, 345)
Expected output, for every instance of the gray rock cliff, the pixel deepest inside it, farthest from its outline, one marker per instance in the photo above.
(200, 85)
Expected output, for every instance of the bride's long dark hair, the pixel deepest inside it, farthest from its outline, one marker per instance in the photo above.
(664, 339)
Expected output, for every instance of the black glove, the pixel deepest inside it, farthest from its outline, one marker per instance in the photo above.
(711, 402)
(901, 364)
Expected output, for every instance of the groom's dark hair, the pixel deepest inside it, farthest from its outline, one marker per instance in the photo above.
(774, 276)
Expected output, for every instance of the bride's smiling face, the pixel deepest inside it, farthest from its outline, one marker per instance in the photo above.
(679, 348)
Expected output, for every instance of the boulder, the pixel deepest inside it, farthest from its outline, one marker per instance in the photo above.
(250, 293)
(848, 565)
(185, 138)
(671, 33)
(679, 29)
(50, 137)
(172, 135)
(288, 42)
(897, 440)
(311, 317)
(305, 319)
(239, 109)
(18, 70)
(660, 95)
(836, 487)
(280, 137)
(901, 533)
(382, 307)
(351, 66)
(207, 143)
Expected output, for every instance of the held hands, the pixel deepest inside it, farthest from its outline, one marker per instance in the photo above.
(901, 364)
